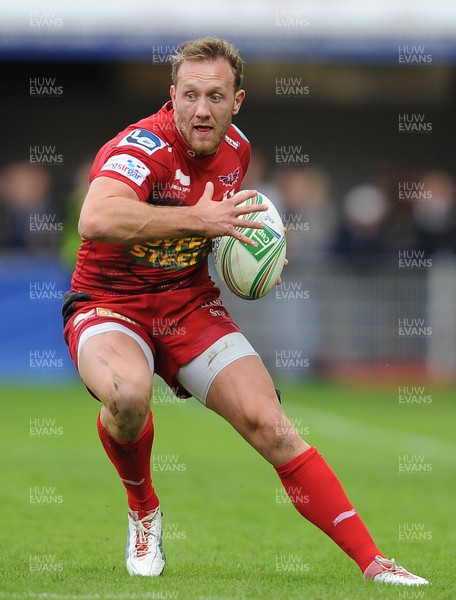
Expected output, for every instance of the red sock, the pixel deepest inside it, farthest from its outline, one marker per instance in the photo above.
(132, 462)
(318, 495)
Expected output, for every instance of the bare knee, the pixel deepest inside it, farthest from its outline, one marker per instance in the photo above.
(127, 400)
(126, 404)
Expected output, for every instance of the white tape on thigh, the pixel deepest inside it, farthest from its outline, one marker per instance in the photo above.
(198, 375)
(111, 326)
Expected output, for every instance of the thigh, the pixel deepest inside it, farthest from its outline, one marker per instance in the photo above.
(243, 393)
(115, 364)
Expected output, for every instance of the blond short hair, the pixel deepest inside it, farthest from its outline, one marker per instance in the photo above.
(209, 48)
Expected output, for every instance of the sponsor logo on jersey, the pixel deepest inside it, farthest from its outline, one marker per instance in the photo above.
(171, 254)
(181, 184)
(81, 317)
(183, 179)
(107, 312)
(144, 140)
(232, 142)
(231, 178)
(126, 165)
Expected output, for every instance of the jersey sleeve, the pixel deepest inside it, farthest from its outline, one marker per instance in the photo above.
(245, 157)
(242, 145)
(138, 158)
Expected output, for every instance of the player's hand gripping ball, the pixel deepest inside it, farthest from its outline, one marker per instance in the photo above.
(251, 272)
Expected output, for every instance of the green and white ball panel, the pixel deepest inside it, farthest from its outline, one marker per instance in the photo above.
(252, 271)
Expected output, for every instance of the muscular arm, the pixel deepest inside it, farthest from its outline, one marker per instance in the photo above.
(113, 213)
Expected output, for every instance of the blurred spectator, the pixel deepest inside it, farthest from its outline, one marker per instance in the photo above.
(256, 178)
(436, 216)
(71, 238)
(361, 233)
(398, 181)
(25, 207)
(307, 211)
(310, 217)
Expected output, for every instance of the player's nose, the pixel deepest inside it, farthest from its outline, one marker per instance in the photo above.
(202, 109)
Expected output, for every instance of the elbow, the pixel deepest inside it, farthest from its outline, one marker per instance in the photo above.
(89, 227)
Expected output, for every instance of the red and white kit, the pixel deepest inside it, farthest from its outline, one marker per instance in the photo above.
(160, 290)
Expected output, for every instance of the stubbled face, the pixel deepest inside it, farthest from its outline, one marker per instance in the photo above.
(204, 102)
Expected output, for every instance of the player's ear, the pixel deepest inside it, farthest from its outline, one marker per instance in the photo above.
(172, 93)
(238, 99)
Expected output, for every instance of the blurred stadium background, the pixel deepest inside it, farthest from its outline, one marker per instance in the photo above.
(351, 114)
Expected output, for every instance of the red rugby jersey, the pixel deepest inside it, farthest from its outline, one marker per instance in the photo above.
(152, 158)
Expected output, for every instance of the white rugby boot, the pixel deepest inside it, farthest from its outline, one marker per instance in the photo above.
(387, 571)
(144, 555)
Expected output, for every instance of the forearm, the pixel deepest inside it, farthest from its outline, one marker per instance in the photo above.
(112, 213)
(120, 220)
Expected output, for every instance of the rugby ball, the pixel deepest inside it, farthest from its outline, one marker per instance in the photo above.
(251, 272)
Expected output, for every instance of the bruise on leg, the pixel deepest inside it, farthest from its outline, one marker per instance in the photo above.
(106, 355)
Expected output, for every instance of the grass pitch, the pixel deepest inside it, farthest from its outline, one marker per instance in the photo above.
(230, 532)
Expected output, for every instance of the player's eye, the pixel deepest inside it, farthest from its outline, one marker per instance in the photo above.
(190, 96)
(216, 97)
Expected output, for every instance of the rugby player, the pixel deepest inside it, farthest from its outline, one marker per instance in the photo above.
(142, 303)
